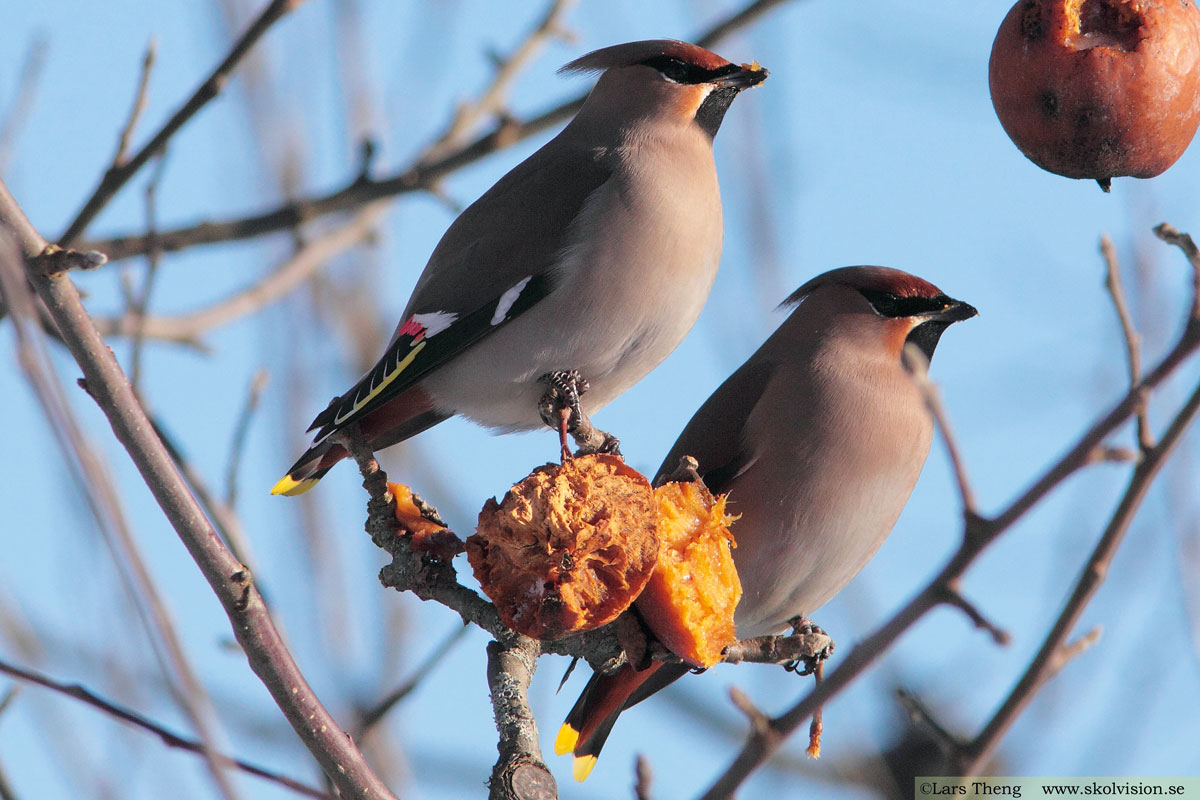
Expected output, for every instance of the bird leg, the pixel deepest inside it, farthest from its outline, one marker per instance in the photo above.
(560, 408)
(803, 626)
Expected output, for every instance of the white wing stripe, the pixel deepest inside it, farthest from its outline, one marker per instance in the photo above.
(435, 322)
(507, 299)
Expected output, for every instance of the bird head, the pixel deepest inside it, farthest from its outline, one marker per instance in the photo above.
(886, 304)
(665, 79)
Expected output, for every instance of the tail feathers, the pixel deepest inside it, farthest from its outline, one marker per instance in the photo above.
(596, 711)
(309, 469)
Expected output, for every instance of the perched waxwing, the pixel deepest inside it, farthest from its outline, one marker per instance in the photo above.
(593, 258)
(818, 440)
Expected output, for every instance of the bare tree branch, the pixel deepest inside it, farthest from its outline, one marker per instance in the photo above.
(105, 504)
(139, 303)
(422, 175)
(290, 274)
(118, 174)
(1133, 342)
(1049, 658)
(491, 101)
(241, 429)
(139, 104)
(431, 578)
(979, 532)
(26, 90)
(168, 737)
(643, 778)
(231, 582)
(372, 716)
(520, 773)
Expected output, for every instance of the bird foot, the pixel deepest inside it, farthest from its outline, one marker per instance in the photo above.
(560, 408)
(803, 626)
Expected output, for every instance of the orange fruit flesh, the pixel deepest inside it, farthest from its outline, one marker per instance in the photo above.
(691, 596)
(568, 548)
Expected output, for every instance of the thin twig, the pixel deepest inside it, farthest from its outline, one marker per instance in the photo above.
(419, 176)
(978, 534)
(1048, 659)
(491, 101)
(26, 90)
(233, 585)
(241, 429)
(168, 737)
(290, 274)
(643, 778)
(118, 175)
(918, 367)
(140, 304)
(1169, 234)
(139, 104)
(1133, 341)
(372, 716)
(919, 714)
(954, 597)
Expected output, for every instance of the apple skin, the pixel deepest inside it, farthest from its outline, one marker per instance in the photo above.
(1099, 88)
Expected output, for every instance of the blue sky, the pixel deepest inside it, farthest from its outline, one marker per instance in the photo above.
(874, 141)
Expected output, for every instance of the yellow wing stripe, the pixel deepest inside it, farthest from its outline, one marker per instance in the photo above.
(391, 376)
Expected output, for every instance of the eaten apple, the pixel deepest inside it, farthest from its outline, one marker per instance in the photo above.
(1099, 88)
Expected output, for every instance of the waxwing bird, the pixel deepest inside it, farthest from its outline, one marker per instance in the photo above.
(818, 439)
(591, 258)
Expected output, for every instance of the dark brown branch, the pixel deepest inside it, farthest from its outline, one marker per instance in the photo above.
(230, 581)
(979, 533)
(920, 715)
(1169, 234)
(736, 21)
(422, 175)
(520, 773)
(168, 737)
(954, 597)
(120, 173)
(1049, 658)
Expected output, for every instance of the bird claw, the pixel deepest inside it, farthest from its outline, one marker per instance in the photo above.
(560, 408)
(610, 444)
(803, 626)
(565, 387)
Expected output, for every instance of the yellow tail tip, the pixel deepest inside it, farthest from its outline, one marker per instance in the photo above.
(565, 741)
(289, 487)
(583, 767)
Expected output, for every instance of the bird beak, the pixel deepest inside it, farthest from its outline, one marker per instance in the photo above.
(955, 311)
(741, 77)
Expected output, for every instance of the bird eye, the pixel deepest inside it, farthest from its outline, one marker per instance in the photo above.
(674, 70)
(670, 68)
(885, 304)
